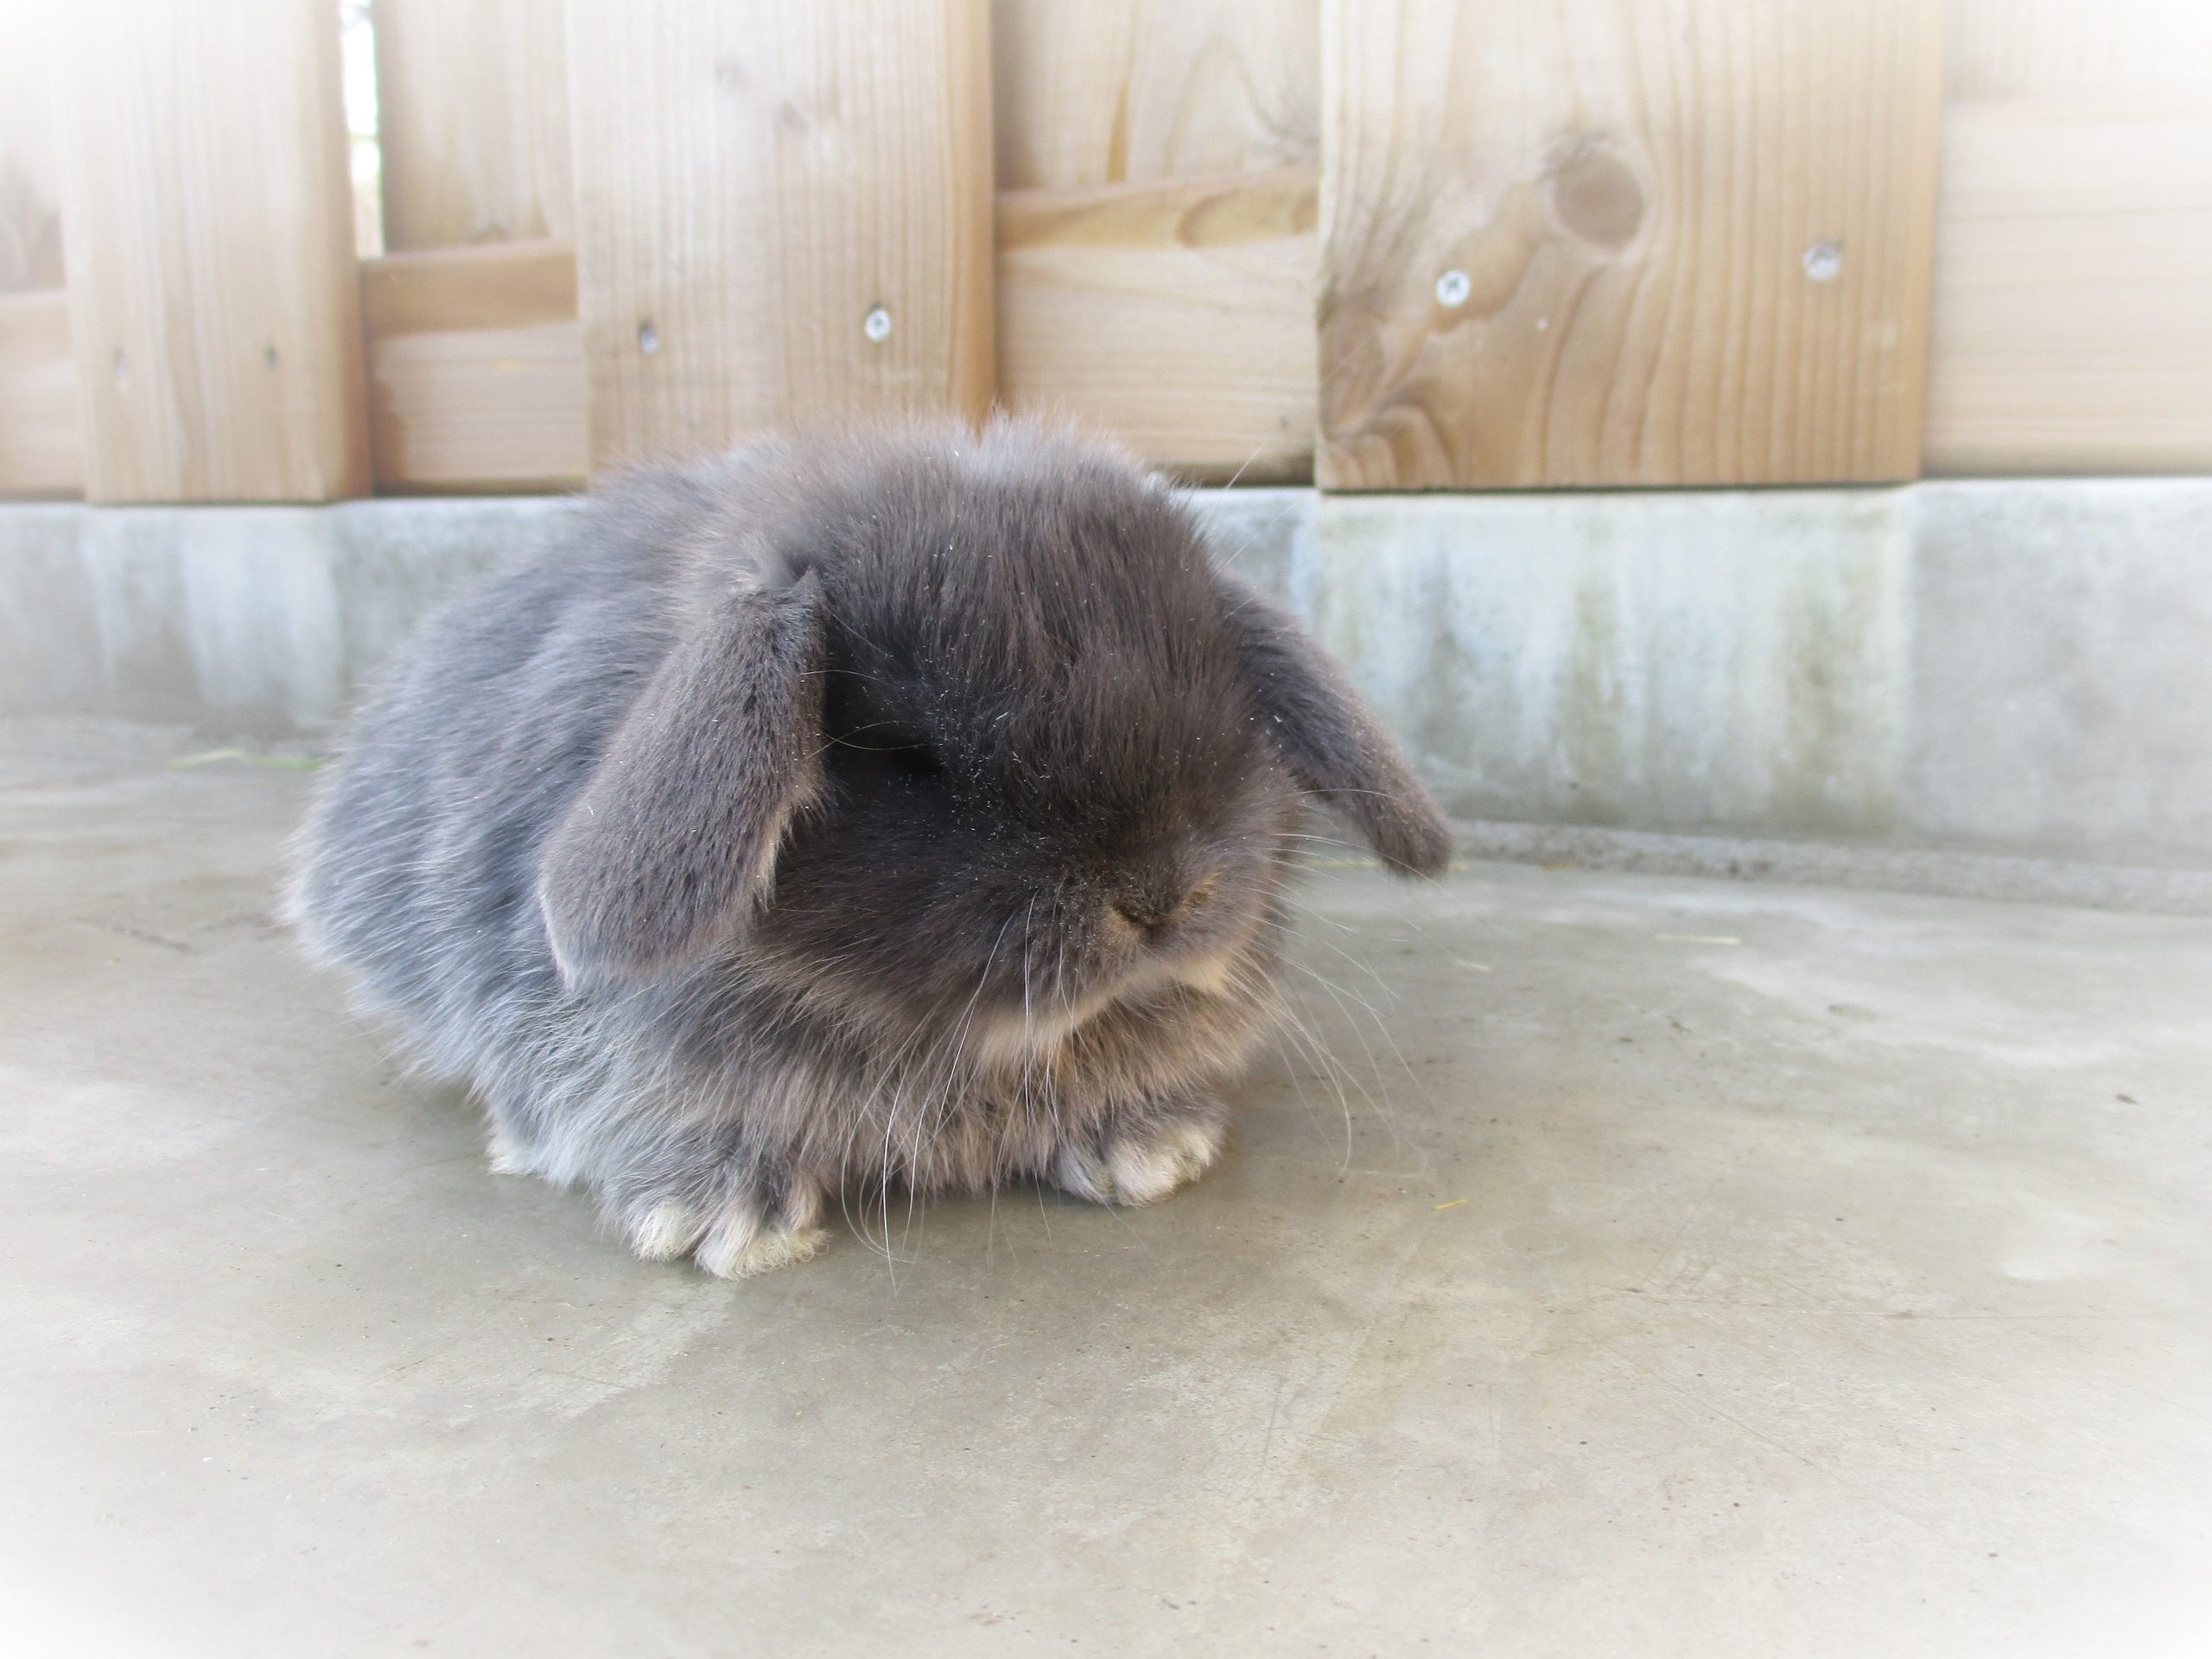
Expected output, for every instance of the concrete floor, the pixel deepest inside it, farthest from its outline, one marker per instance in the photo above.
(1699, 1269)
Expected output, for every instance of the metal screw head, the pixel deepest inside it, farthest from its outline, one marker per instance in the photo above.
(1822, 261)
(1453, 289)
(648, 339)
(876, 326)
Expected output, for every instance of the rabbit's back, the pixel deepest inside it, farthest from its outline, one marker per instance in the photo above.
(417, 867)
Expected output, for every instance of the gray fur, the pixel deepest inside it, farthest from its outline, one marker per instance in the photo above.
(902, 807)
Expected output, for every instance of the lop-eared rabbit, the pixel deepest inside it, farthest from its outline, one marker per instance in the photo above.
(905, 807)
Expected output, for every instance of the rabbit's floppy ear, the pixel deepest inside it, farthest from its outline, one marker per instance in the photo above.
(673, 839)
(1331, 744)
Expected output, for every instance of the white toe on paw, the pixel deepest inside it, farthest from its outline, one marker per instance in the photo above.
(1141, 1169)
(734, 1240)
(510, 1155)
(743, 1245)
(1151, 1167)
(664, 1229)
(745, 1242)
(1083, 1172)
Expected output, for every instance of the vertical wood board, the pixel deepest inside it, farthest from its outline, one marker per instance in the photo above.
(1604, 241)
(1138, 91)
(473, 122)
(214, 295)
(30, 214)
(755, 181)
(42, 439)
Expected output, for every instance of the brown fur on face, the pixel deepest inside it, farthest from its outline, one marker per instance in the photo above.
(906, 805)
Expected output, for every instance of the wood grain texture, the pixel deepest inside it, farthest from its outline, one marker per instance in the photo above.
(2073, 321)
(1630, 191)
(2098, 50)
(752, 180)
(41, 440)
(472, 121)
(1134, 92)
(2072, 332)
(1177, 317)
(476, 370)
(30, 214)
(214, 296)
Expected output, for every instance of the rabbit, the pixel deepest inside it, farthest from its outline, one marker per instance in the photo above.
(908, 805)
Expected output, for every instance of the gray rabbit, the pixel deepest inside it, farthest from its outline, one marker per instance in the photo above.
(908, 806)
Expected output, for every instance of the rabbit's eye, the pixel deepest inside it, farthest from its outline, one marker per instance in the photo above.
(893, 747)
(916, 759)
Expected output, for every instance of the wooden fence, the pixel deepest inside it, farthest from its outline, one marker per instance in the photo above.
(1385, 244)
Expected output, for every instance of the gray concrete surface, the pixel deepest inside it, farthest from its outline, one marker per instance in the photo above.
(1693, 659)
(2018, 668)
(2062, 670)
(250, 620)
(1695, 1268)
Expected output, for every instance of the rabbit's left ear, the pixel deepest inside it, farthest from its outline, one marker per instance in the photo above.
(672, 842)
(1329, 742)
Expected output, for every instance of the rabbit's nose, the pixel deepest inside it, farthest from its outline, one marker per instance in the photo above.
(1154, 913)
(1147, 916)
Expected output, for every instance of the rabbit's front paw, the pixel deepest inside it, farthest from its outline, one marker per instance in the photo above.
(737, 1239)
(1142, 1166)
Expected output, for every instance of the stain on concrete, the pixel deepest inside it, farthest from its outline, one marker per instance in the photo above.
(1674, 661)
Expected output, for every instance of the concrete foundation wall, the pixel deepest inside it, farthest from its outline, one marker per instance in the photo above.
(2021, 667)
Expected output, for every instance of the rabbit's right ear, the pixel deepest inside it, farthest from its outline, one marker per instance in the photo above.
(672, 842)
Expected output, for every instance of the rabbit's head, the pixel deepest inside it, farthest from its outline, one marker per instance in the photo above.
(967, 729)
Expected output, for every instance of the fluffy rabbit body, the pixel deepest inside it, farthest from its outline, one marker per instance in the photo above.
(910, 807)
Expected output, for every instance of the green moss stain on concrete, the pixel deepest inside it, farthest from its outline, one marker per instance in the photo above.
(1668, 660)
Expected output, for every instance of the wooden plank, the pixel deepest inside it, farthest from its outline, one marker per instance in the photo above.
(2072, 332)
(476, 373)
(2152, 50)
(754, 182)
(473, 122)
(30, 219)
(1582, 242)
(41, 440)
(1177, 317)
(41, 443)
(214, 294)
(1131, 92)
